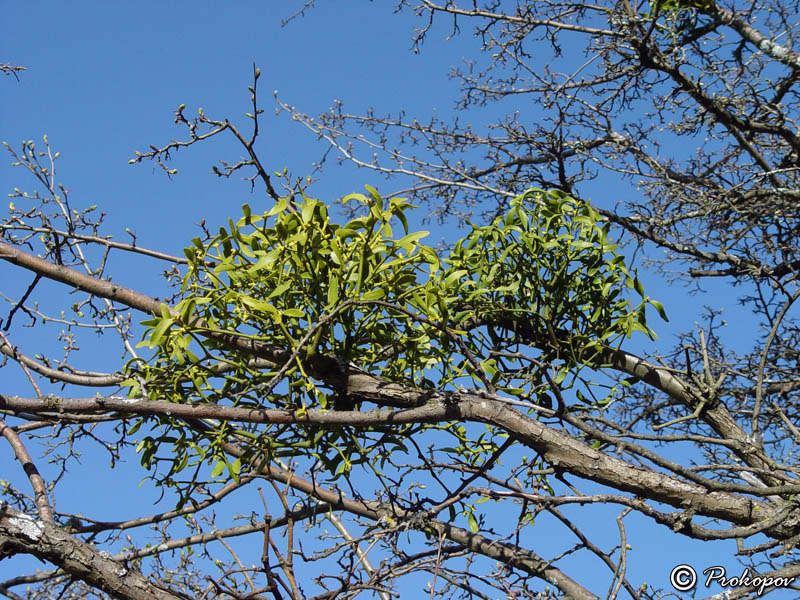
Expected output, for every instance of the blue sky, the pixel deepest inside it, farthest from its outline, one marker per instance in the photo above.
(104, 78)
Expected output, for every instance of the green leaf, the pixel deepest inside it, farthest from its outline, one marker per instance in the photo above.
(374, 294)
(473, 523)
(159, 332)
(357, 197)
(638, 286)
(280, 289)
(235, 469)
(374, 193)
(135, 427)
(410, 240)
(308, 210)
(218, 469)
(279, 207)
(262, 306)
(659, 309)
(333, 288)
(453, 277)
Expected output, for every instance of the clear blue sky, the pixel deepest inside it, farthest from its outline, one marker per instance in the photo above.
(103, 80)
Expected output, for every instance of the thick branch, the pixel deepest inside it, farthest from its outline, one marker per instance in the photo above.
(21, 533)
(758, 39)
(37, 483)
(84, 379)
(557, 447)
(86, 283)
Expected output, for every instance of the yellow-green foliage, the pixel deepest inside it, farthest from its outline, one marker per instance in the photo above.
(295, 281)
